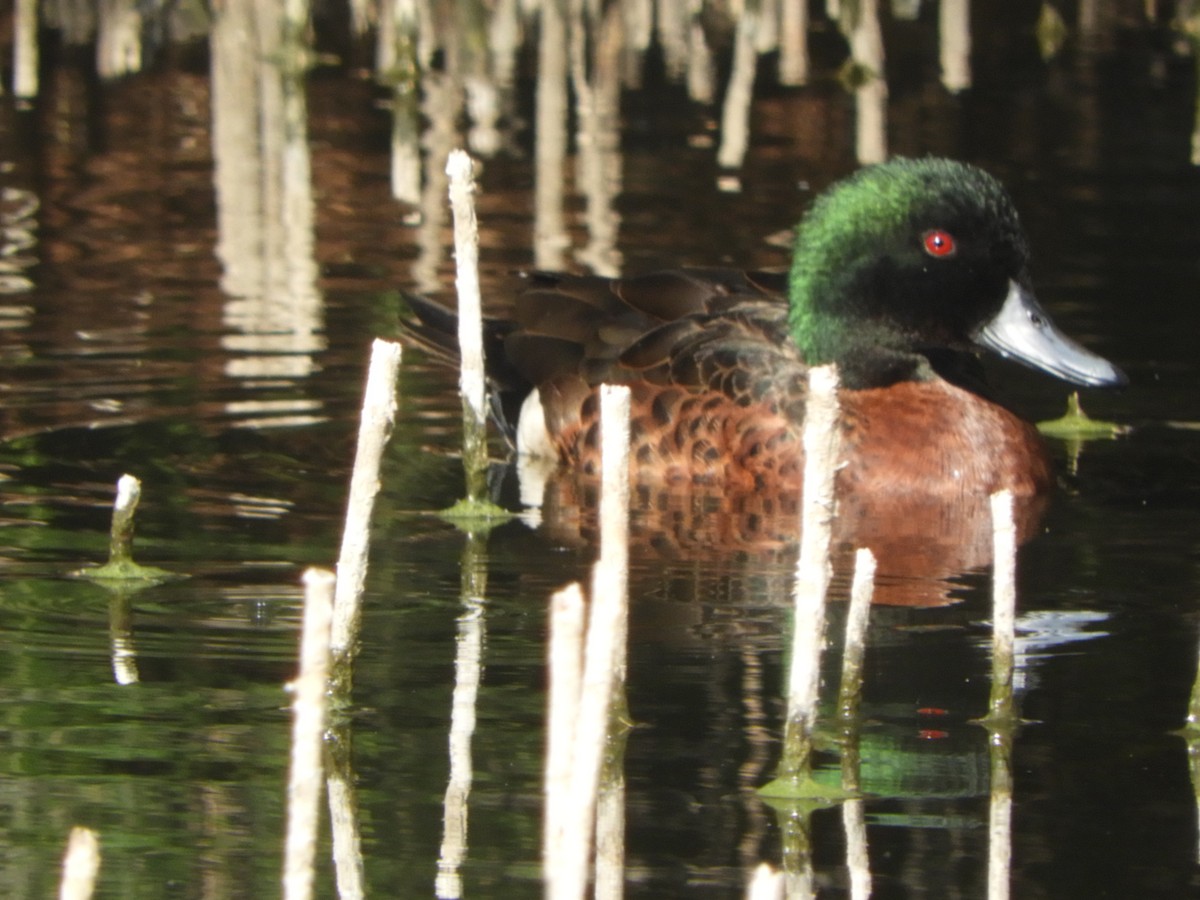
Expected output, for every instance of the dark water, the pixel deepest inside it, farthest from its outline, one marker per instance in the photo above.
(123, 350)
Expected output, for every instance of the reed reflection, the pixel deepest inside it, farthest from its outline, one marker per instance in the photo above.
(264, 203)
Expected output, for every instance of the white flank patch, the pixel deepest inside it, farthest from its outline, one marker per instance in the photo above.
(537, 457)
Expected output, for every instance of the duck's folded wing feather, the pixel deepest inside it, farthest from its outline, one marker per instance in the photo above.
(742, 353)
(606, 317)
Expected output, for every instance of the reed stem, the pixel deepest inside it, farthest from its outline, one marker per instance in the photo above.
(1004, 603)
(81, 864)
(571, 817)
(861, 590)
(813, 571)
(460, 170)
(375, 426)
(309, 707)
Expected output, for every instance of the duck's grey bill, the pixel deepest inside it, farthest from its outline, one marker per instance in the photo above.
(1022, 331)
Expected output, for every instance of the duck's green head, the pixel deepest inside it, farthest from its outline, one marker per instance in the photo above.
(912, 257)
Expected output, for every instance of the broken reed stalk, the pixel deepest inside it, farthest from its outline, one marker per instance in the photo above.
(309, 708)
(1004, 605)
(854, 822)
(765, 884)
(861, 590)
(565, 660)
(460, 170)
(602, 673)
(1001, 717)
(610, 821)
(375, 426)
(120, 536)
(120, 565)
(610, 579)
(81, 864)
(813, 570)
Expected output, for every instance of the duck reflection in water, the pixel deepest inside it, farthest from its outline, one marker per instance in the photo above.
(901, 273)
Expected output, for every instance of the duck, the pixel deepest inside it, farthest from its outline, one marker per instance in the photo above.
(902, 274)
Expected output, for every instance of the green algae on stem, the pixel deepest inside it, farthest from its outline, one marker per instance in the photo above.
(803, 788)
(125, 570)
(1077, 425)
(471, 514)
(1075, 428)
(120, 565)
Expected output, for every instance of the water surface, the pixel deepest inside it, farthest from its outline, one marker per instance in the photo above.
(143, 332)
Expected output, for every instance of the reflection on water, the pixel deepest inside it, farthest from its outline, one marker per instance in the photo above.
(921, 547)
(194, 258)
(264, 204)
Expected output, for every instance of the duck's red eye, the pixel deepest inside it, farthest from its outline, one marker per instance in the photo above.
(939, 243)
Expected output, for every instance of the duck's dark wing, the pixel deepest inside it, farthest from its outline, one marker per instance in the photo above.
(693, 330)
(434, 328)
(581, 325)
(705, 352)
